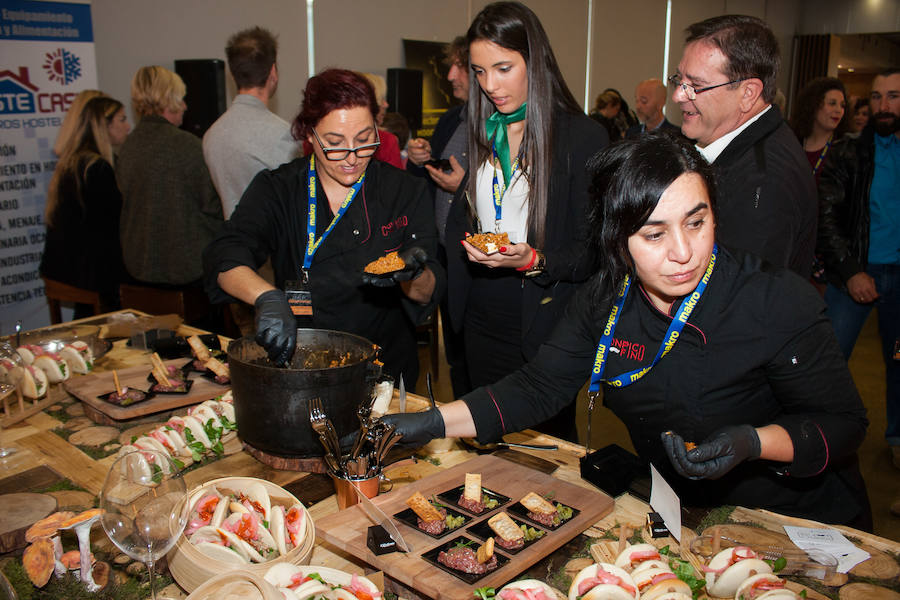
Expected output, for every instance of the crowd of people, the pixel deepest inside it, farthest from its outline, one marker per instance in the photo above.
(674, 268)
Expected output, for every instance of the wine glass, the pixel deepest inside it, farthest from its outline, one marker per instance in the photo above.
(145, 506)
(11, 366)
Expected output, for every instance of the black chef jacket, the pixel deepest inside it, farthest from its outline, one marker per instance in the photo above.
(757, 349)
(391, 212)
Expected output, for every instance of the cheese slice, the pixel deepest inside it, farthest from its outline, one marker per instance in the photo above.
(423, 508)
(537, 504)
(503, 525)
(199, 348)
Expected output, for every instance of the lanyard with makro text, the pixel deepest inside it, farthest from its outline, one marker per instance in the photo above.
(499, 191)
(312, 244)
(674, 331)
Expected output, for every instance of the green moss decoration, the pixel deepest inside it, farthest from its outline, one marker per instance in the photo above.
(721, 515)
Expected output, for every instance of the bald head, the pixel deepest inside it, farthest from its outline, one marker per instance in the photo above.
(649, 99)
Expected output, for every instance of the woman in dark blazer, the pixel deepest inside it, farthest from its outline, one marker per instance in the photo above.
(529, 142)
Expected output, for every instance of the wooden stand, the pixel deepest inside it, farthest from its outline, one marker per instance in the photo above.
(284, 463)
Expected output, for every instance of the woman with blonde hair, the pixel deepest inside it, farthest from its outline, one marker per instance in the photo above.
(83, 205)
(72, 118)
(170, 209)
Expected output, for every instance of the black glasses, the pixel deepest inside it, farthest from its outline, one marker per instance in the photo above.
(691, 92)
(364, 151)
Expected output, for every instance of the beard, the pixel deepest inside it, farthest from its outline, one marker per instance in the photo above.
(886, 123)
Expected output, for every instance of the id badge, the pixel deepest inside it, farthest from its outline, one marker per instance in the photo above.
(299, 297)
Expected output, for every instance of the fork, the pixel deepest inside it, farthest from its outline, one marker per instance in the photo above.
(323, 426)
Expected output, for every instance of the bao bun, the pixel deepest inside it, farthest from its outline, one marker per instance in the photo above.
(533, 586)
(601, 590)
(644, 552)
(726, 575)
(746, 590)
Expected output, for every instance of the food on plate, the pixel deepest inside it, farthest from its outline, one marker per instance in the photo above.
(654, 582)
(34, 382)
(53, 366)
(485, 551)
(462, 557)
(222, 374)
(431, 520)
(126, 396)
(78, 356)
(633, 556)
(388, 263)
(526, 589)
(198, 348)
(175, 387)
(603, 581)
(765, 586)
(29, 352)
(544, 512)
(473, 498)
(10, 372)
(489, 242)
(509, 535)
(305, 582)
(729, 568)
(241, 520)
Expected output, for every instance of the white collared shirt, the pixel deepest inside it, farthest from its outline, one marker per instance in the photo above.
(713, 150)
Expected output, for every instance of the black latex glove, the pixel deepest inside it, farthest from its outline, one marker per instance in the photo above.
(413, 257)
(276, 329)
(719, 453)
(418, 428)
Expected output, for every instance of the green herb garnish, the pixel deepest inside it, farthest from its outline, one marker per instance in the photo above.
(463, 543)
(485, 593)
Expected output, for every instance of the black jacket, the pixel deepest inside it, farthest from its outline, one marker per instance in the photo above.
(757, 349)
(635, 131)
(389, 213)
(844, 206)
(767, 195)
(443, 131)
(576, 139)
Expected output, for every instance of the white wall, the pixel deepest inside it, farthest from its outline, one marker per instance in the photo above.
(850, 16)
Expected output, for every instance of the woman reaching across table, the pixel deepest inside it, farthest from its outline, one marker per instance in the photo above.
(528, 142)
(734, 355)
(322, 219)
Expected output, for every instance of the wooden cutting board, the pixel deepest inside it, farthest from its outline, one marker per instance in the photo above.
(347, 529)
(86, 388)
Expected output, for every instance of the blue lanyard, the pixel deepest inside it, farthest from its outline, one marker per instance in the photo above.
(674, 331)
(500, 190)
(312, 244)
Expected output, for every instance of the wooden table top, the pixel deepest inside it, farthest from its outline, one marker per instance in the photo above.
(38, 445)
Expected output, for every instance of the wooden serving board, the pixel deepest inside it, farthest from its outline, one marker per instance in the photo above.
(347, 529)
(86, 388)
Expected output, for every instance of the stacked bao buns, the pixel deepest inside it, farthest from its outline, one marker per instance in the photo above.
(638, 573)
(527, 589)
(179, 437)
(42, 367)
(240, 524)
(301, 583)
(739, 573)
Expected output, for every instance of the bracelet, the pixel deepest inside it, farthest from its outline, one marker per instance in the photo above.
(530, 264)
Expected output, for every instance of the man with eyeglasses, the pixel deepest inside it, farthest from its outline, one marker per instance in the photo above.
(725, 85)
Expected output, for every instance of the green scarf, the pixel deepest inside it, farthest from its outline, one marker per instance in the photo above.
(496, 130)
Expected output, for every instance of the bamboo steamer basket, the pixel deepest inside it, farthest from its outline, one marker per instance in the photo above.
(191, 568)
(236, 585)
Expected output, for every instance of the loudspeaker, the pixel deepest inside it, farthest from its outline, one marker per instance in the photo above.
(205, 81)
(404, 95)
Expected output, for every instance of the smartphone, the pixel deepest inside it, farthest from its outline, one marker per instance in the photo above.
(440, 163)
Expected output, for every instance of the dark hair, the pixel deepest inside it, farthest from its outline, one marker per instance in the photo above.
(398, 125)
(860, 104)
(251, 54)
(749, 46)
(889, 71)
(810, 100)
(332, 89)
(457, 52)
(627, 180)
(513, 26)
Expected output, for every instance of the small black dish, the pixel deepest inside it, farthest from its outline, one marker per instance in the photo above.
(219, 355)
(187, 388)
(147, 396)
(520, 511)
(483, 531)
(409, 517)
(177, 346)
(207, 374)
(185, 371)
(470, 578)
(452, 496)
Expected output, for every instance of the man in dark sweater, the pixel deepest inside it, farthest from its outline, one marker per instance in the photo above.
(725, 85)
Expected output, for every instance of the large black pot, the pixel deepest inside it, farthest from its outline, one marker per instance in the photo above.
(271, 404)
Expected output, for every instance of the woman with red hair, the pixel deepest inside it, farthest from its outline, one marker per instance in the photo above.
(321, 219)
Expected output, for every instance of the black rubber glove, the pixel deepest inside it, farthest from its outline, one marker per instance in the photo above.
(276, 329)
(418, 428)
(413, 257)
(716, 455)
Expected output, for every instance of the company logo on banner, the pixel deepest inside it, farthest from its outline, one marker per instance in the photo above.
(46, 59)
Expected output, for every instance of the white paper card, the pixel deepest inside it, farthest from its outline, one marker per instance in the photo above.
(665, 501)
(830, 541)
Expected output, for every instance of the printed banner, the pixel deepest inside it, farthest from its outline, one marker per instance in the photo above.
(437, 92)
(46, 59)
